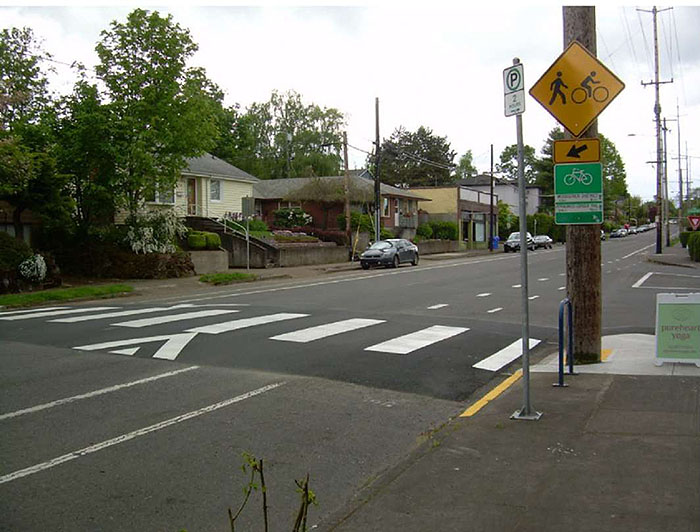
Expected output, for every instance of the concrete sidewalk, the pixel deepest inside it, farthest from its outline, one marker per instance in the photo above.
(674, 256)
(618, 450)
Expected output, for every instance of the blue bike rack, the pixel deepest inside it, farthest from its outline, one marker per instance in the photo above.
(565, 304)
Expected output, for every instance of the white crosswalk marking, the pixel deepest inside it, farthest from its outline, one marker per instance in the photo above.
(75, 319)
(146, 322)
(227, 326)
(174, 343)
(408, 343)
(323, 331)
(47, 314)
(27, 311)
(505, 356)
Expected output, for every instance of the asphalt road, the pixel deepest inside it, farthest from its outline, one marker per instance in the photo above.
(134, 417)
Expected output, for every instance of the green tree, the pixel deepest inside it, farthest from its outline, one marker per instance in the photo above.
(27, 170)
(543, 167)
(614, 175)
(509, 163)
(284, 137)
(84, 155)
(465, 167)
(418, 158)
(161, 110)
(23, 85)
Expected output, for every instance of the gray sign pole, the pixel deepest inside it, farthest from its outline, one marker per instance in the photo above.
(526, 412)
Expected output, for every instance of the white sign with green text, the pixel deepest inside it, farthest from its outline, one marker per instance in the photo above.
(678, 328)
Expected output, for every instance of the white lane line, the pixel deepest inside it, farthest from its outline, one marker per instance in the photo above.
(234, 325)
(174, 343)
(542, 279)
(441, 305)
(76, 319)
(533, 297)
(493, 310)
(146, 322)
(641, 281)
(27, 311)
(485, 294)
(635, 252)
(408, 343)
(561, 288)
(517, 286)
(329, 329)
(562, 274)
(505, 356)
(40, 314)
(95, 393)
(135, 434)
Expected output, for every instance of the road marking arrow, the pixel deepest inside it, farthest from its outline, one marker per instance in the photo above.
(576, 151)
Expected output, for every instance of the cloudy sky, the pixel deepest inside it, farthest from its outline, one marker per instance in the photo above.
(435, 64)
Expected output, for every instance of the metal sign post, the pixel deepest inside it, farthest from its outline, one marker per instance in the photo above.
(526, 413)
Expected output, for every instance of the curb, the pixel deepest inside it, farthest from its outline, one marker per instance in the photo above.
(670, 263)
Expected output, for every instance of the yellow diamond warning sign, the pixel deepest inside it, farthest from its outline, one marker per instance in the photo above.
(576, 88)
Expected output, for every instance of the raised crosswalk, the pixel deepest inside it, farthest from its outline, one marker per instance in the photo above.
(170, 346)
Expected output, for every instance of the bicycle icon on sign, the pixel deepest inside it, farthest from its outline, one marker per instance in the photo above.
(580, 94)
(577, 174)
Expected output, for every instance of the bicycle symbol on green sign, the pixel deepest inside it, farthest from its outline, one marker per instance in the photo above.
(577, 174)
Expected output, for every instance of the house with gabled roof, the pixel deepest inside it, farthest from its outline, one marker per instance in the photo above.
(208, 187)
(399, 207)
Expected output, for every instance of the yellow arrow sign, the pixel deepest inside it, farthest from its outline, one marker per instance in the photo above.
(576, 88)
(576, 151)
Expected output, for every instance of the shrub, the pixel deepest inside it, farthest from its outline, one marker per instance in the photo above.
(196, 240)
(213, 240)
(364, 221)
(291, 218)
(424, 231)
(445, 230)
(12, 251)
(694, 246)
(33, 269)
(684, 236)
(257, 225)
(154, 232)
(386, 233)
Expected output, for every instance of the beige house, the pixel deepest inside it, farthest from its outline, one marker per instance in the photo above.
(468, 208)
(208, 187)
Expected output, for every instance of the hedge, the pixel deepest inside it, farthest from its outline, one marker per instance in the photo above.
(445, 230)
(694, 246)
(213, 240)
(196, 240)
(684, 237)
(424, 231)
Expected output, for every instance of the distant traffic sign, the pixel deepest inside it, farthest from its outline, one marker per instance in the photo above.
(694, 221)
(576, 88)
(578, 194)
(577, 151)
(514, 90)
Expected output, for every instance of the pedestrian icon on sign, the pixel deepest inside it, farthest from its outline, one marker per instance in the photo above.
(555, 87)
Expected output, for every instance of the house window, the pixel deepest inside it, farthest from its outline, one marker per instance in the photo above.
(385, 206)
(215, 190)
(164, 197)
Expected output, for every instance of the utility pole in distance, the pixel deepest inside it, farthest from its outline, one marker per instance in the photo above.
(657, 117)
(377, 182)
(347, 191)
(583, 270)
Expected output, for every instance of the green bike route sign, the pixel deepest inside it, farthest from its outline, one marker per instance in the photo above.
(578, 194)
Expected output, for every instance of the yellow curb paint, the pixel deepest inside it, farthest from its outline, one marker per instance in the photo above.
(604, 354)
(498, 390)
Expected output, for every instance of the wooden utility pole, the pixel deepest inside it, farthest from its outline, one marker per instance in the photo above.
(491, 206)
(377, 182)
(347, 190)
(583, 270)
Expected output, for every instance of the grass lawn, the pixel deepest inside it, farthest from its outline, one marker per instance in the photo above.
(64, 294)
(227, 278)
